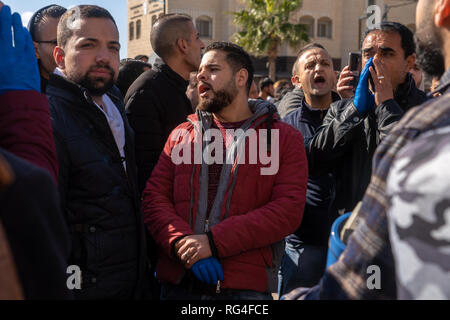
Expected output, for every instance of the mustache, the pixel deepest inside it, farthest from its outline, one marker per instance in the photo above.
(98, 66)
(204, 84)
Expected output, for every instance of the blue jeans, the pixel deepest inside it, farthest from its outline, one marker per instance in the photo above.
(302, 266)
(175, 292)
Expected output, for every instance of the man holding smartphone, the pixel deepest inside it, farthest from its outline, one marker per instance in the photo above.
(353, 128)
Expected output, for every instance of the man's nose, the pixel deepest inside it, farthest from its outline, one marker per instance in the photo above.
(378, 56)
(201, 76)
(103, 55)
(318, 67)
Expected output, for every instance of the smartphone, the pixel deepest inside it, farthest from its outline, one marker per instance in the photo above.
(354, 63)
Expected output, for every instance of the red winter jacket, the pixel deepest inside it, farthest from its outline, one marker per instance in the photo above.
(26, 129)
(262, 211)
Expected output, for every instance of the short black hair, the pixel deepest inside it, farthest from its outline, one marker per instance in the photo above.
(302, 51)
(265, 83)
(85, 11)
(166, 30)
(52, 11)
(236, 57)
(408, 44)
(129, 71)
(140, 56)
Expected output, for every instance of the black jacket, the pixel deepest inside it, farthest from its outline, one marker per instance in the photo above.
(346, 141)
(319, 211)
(156, 103)
(36, 230)
(290, 102)
(99, 198)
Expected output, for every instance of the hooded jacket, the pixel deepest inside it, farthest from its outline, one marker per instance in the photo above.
(251, 214)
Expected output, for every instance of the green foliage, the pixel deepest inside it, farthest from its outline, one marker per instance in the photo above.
(265, 25)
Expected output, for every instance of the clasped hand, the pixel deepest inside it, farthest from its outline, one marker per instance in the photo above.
(195, 254)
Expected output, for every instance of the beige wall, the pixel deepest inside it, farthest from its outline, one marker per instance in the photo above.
(346, 26)
(141, 45)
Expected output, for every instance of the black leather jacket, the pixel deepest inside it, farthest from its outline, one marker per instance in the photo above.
(99, 198)
(346, 141)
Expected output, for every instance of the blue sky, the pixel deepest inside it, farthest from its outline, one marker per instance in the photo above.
(117, 8)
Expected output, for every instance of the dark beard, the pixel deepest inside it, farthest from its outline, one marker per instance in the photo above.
(429, 50)
(220, 100)
(96, 86)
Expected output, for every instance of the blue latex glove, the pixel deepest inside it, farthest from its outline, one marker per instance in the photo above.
(364, 99)
(208, 270)
(18, 65)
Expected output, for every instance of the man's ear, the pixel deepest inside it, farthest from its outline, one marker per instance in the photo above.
(442, 13)
(410, 62)
(241, 78)
(36, 50)
(59, 56)
(295, 80)
(182, 45)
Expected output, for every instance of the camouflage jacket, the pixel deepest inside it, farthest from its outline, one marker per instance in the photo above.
(419, 217)
(369, 245)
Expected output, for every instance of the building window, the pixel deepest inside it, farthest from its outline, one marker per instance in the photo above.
(308, 22)
(138, 29)
(204, 26)
(131, 31)
(324, 28)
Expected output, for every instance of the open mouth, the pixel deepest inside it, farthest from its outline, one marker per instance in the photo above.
(203, 89)
(319, 79)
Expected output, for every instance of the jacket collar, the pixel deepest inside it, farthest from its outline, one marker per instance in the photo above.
(65, 88)
(444, 83)
(407, 93)
(178, 80)
(306, 112)
(404, 89)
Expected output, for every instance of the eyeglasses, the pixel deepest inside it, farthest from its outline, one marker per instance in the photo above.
(54, 42)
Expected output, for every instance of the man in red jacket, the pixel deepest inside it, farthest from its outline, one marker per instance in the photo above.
(228, 187)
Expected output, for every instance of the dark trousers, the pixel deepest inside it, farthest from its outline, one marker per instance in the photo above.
(302, 266)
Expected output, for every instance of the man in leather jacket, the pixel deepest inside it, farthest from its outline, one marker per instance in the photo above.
(353, 128)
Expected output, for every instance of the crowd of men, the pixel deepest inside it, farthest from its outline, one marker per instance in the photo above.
(183, 179)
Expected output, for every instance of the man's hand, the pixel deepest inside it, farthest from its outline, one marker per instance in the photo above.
(208, 270)
(193, 248)
(344, 87)
(18, 65)
(382, 82)
(364, 99)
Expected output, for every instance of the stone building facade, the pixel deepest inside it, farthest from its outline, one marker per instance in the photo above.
(336, 24)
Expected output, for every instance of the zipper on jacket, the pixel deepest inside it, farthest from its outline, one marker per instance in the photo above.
(218, 286)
